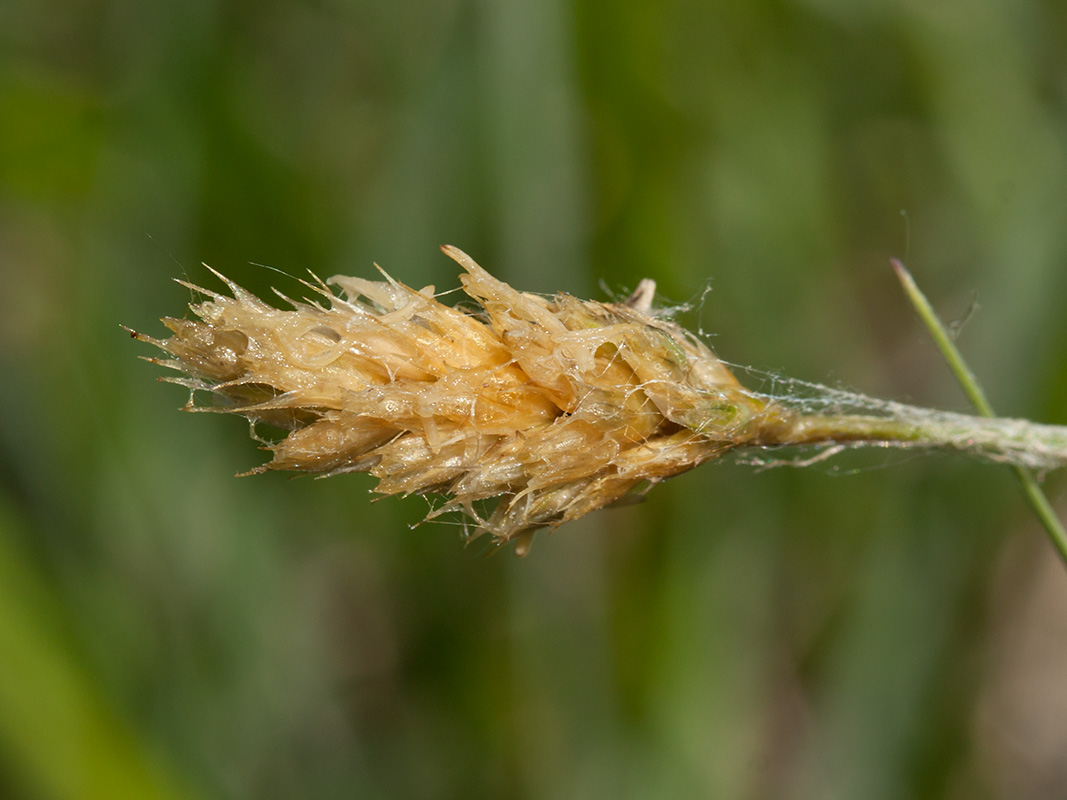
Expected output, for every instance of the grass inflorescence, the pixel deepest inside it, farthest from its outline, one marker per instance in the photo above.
(523, 412)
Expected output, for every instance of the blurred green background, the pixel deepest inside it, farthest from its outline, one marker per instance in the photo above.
(874, 627)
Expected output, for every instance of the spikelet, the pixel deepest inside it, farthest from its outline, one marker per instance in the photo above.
(556, 407)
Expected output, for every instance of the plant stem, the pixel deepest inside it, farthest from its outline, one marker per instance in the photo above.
(1014, 441)
(1037, 499)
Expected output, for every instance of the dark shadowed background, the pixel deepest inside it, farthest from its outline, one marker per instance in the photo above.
(873, 627)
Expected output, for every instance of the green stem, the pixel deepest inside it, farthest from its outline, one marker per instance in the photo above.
(1037, 499)
(1013, 441)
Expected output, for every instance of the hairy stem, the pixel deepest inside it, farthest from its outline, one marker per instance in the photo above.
(1037, 499)
(1012, 441)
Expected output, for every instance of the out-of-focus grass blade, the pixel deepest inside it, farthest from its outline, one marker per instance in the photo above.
(55, 725)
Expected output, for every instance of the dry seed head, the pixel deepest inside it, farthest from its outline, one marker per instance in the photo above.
(556, 407)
